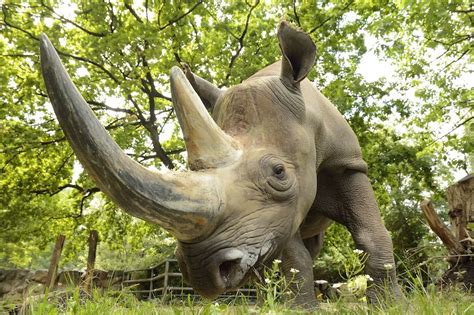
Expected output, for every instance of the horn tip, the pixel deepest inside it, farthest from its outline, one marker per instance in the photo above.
(176, 71)
(44, 41)
(46, 48)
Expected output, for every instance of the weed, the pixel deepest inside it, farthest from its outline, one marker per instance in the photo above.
(275, 296)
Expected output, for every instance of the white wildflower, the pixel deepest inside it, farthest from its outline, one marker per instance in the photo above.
(267, 281)
(169, 241)
(388, 266)
(293, 270)
(277, 261)
(337, 285)
(358, 251)
(369, 278)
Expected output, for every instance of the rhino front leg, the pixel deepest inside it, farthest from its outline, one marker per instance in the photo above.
(354, 206)
(297, 266)
(314, 244)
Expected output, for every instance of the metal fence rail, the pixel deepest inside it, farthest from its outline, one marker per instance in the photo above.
(165, 281)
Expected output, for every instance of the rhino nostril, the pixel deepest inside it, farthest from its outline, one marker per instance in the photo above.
(226, 269)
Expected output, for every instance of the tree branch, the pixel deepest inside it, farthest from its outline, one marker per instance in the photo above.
(240, 41)
(457, 59)
(144, 157)
(60, 52)
(139, 113)
(154, 136)
(163, 124)
(113, 17)
(452, 130)
(9, 160)
(132, 11)
(19, 55)
(160, 152)
(459, 39)
(87, 194)
(4, 11)
(98, 65)
(63, 163)
(60, 188)
(175, 20)
(467, 11)
(332, 17)
(100, 105)
(63, 19)
(297, 18)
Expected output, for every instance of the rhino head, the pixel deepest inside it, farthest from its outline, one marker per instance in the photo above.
(252, 165)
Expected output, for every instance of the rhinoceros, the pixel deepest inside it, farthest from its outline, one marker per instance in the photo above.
(269, 171)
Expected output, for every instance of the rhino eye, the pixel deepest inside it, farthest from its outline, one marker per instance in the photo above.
(277, 180)
(279, 171)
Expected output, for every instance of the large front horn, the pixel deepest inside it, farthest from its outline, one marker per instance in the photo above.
(207, 144)
(186, 204)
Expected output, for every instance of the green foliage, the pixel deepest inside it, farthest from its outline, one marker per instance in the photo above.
(275, 290)
(414, 125)
(338, 249)
(419, 301)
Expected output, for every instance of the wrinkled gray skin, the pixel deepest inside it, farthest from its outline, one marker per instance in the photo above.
(273, 168)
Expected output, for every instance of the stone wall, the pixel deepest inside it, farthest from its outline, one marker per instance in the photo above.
(15, 284)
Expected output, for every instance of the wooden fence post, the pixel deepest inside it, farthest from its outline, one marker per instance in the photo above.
(53, 266)
(93, 239)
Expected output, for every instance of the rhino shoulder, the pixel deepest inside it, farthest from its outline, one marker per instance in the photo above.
(336, 144)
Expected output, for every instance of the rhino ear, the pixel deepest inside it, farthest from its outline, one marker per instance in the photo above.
(298, 52)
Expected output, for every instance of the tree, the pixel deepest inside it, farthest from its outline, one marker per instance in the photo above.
(119, 54)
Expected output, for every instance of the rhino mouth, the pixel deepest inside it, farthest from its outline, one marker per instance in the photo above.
(222, 263)
(233, 267)
(227, 269)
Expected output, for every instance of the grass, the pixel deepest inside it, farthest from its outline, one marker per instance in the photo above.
(419, 300)
(274, 298)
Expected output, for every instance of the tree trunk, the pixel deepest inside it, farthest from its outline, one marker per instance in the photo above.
(459, 240)
(435, 223)
(461, 204)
